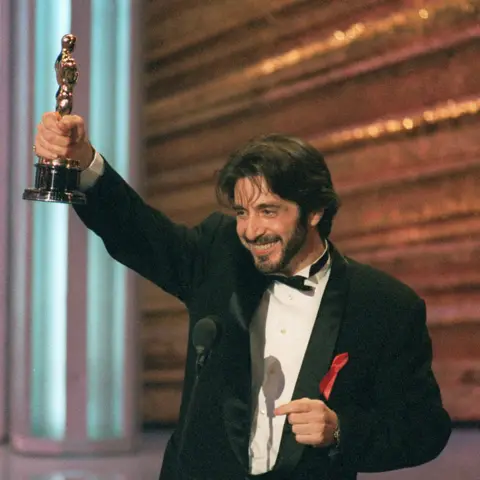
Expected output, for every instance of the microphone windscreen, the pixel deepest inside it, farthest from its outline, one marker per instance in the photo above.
(204, 334)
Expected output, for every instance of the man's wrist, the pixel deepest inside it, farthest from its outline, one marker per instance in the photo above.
(88, 158)
(90, 175)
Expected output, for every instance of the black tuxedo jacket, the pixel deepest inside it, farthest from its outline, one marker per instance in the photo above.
(386, 397)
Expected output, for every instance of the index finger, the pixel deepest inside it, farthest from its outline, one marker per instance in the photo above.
(295, 406)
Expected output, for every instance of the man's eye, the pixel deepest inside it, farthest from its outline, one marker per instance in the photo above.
(240, 213)
(269, 213)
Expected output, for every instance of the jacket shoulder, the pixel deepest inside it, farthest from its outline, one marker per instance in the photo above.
(217, 225)
(218, 231)
(375, 284)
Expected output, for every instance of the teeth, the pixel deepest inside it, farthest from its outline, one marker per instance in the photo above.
(266, 246)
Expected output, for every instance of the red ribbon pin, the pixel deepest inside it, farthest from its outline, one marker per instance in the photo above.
(328, 380)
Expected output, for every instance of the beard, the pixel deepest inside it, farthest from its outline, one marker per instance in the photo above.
(289, 248)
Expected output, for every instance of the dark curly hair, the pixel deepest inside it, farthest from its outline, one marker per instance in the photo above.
(293, 170)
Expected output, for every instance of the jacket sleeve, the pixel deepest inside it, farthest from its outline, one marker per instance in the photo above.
(142, 238)
(407, 424)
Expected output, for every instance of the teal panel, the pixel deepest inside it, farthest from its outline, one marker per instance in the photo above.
(109, 130)
(50, 248)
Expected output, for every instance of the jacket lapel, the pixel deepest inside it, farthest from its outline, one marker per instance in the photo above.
(247, 293)
(319, 353)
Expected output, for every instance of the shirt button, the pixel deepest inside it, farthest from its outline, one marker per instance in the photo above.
(262, 412)
(283, 331)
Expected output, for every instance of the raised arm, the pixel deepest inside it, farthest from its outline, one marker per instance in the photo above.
(142, 238)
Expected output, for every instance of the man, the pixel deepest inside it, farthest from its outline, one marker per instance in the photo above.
(322, 367)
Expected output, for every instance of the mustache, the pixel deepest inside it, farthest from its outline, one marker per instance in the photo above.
(262, 240)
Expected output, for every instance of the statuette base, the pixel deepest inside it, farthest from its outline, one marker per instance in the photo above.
(56, 183)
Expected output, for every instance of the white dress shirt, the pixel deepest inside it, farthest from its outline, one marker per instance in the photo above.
(279, 334)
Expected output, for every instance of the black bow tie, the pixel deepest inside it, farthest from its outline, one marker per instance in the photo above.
(297, 281)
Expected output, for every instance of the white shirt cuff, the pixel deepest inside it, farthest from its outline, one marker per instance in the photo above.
(90, 175)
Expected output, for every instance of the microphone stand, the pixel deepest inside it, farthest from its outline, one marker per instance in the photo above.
(199, 364)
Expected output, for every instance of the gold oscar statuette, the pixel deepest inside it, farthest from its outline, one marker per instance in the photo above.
(58, 180)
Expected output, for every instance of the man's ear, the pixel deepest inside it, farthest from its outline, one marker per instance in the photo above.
(315, 217)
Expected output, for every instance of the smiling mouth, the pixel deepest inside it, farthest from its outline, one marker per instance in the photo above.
(263, 248)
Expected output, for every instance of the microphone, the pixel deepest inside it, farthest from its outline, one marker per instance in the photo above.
(204, 335)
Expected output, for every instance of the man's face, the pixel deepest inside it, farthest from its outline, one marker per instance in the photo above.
(268, 226)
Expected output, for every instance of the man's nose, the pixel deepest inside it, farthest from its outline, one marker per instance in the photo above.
(253, 229)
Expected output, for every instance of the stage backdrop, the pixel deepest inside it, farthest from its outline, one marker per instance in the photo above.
(389, 90)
